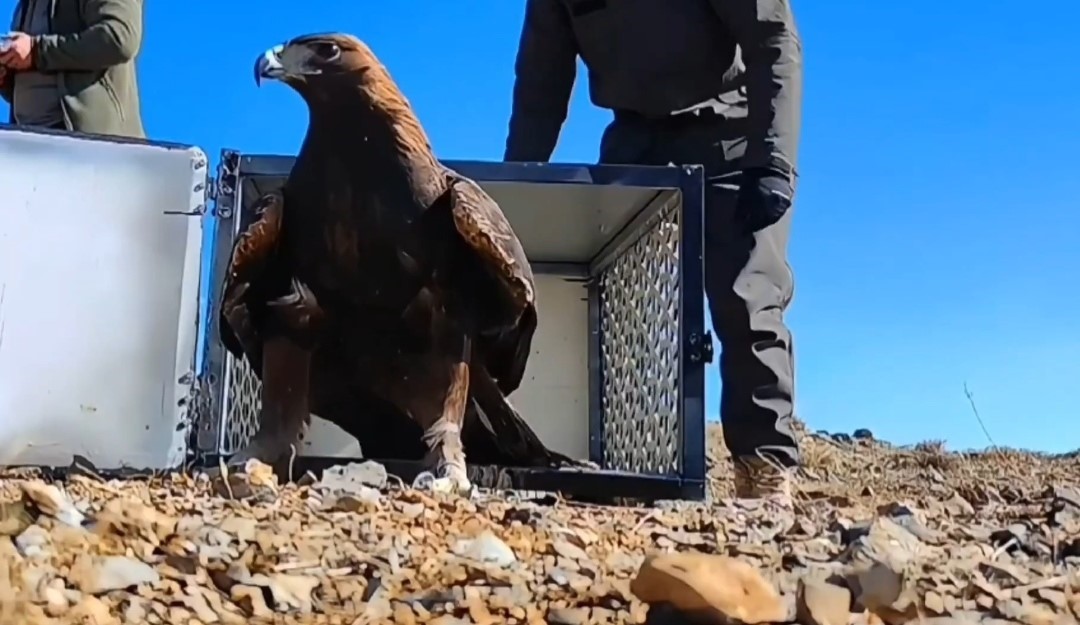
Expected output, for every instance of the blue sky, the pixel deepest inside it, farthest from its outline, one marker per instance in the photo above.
(937, 236)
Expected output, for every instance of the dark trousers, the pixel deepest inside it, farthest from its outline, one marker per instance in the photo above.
(748, 281)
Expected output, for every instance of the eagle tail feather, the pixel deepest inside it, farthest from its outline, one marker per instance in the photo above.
(517, 443)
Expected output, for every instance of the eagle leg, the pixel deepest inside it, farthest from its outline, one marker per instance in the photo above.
(443, 437)
(285, 404)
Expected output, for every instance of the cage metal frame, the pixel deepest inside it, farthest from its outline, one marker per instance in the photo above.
(688, 481)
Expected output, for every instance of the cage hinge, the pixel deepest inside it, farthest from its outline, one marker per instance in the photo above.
(700, 348)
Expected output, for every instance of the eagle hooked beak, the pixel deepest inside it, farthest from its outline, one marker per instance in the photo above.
(268, 65)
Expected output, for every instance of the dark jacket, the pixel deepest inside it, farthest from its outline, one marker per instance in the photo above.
(652, 57)
(93, 49)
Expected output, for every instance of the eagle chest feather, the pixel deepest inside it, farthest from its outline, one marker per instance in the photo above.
(343, 239)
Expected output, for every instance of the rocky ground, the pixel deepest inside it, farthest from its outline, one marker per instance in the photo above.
(881, 535)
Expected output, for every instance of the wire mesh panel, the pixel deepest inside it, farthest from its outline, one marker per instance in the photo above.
(242, 407)
(639, 349)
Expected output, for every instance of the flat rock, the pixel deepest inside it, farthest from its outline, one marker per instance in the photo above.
(101, 574)
(707, 586)
(820, 603)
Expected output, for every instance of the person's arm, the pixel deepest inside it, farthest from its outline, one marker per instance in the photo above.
(545, 69)
(113, 37)
(772, 52)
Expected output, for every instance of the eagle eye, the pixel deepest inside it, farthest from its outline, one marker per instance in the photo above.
(327, 51)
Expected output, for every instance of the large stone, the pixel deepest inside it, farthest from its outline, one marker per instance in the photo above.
(820, 603)
(709, 587)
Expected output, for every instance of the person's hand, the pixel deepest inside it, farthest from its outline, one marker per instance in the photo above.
(765, 195)
(17, 56)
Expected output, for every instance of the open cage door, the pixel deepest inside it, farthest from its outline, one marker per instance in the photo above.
(616, 375)
(100, 242)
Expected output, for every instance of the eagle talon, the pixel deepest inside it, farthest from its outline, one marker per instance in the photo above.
(266, 452)
(451, 480)
(577, 465)
(241, 457)
(424, 480)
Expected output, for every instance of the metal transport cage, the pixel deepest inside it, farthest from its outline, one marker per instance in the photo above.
(617, 370)
(109, 348)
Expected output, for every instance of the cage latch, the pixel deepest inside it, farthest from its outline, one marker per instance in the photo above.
(700, 348)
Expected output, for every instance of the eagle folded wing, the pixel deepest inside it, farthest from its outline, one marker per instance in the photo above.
(484, 227)
(251, 254)
(482, 224)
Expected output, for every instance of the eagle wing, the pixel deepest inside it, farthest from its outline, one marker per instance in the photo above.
(485, 229)
(243, 298)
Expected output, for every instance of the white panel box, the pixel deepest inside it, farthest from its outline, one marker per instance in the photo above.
(99, 275)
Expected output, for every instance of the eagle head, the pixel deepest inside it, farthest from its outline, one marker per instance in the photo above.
(309, 58)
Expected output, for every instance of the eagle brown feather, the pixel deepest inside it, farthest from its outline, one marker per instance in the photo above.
(252, 251)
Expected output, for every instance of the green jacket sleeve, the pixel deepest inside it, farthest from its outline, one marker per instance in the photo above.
(545, 69)
(772, 52)
(113, 37)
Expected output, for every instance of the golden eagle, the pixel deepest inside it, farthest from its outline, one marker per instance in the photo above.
(378, 288)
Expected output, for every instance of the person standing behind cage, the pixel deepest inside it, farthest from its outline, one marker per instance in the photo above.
(716, 83)
(70, 65)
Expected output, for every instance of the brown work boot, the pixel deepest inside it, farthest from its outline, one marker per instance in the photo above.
(759, 478)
